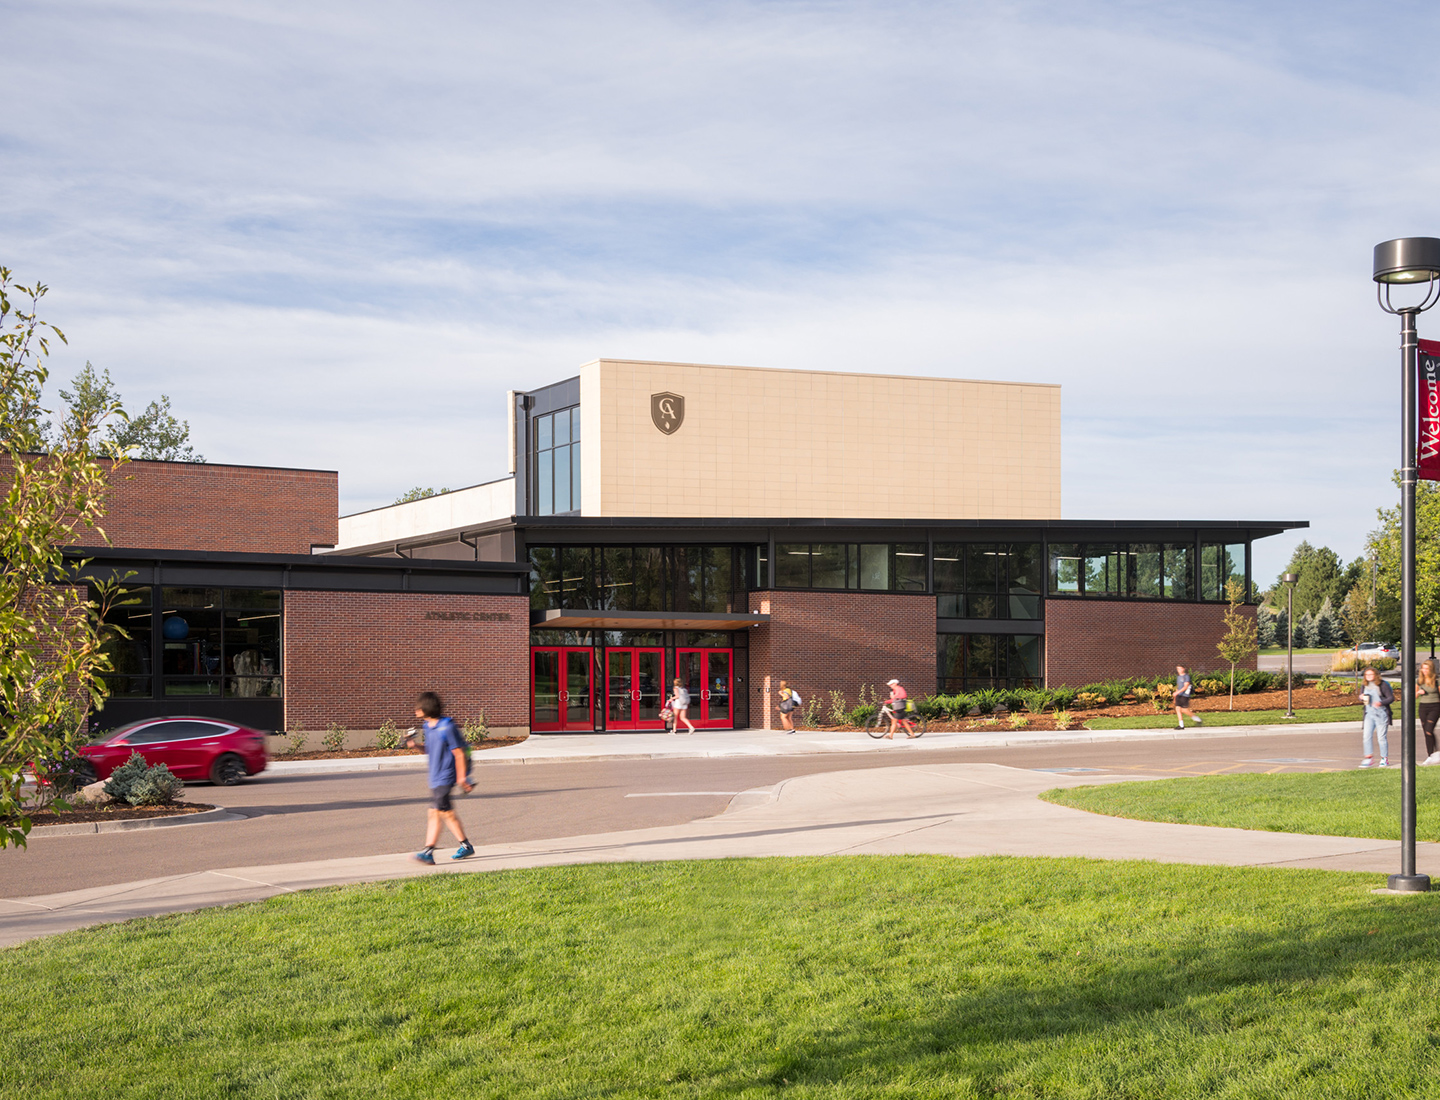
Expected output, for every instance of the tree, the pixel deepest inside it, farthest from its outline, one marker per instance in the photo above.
(1321, 577)
(1359, 615)
(1267, 620)
(1238, 641)
(1305, 635)
(52, 635)
(1328, 631)
(1385, 542)
(419, 493)
(154, 435)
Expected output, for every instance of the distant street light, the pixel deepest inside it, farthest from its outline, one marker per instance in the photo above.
(1289, 579)
(1406, 261)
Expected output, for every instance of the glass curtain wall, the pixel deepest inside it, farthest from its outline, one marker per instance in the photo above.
(1145, 570)
(863, 567)
(556, 461)
(995, 580)
(975, 662)
(216, 642)
(637, 578)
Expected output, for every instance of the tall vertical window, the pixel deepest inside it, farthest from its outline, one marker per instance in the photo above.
(556, 441)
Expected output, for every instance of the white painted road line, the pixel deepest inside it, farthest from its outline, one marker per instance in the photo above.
(679, 794)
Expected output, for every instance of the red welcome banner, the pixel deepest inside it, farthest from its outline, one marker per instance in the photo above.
(1427, 443)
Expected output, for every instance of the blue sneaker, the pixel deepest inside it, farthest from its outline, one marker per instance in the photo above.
(465, 851)
(426, 856)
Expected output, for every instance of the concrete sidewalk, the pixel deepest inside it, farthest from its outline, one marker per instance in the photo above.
(946, 809)
(709, 744)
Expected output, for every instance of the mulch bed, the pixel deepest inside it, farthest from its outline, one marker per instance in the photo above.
(111, 812)
(347, 754)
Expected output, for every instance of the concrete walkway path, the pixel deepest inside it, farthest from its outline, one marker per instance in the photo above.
(540, 748)
(946, 809)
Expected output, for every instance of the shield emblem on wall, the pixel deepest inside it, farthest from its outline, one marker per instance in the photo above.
(668, 411)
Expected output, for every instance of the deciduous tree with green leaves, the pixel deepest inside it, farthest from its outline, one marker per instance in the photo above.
(1239, 640)
(1385, 541)
(155, 434)
(52, 635)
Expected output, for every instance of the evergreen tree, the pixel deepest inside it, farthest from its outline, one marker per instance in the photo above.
(1328, 632)
(1265, 619)
(1282, 623)
(1305, 631)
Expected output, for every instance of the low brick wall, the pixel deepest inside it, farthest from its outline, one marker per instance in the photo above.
(361, 658)
(836, 641)
(1091, 640)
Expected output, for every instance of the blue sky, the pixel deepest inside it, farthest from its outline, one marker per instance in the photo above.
(335, 234)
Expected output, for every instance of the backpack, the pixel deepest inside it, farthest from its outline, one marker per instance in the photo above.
(1387, 693)
(459, 741)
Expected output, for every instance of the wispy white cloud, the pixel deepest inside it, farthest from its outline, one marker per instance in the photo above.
(335, 232)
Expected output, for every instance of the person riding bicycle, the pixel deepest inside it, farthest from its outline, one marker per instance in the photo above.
(900, 710)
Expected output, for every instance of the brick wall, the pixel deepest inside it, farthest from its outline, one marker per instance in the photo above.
(204, 506)
(835, 641)
(1091, 640)
(360, 658)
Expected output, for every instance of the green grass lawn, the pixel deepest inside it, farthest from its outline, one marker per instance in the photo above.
(1221, 718)
(895, 977)
(1348, 803)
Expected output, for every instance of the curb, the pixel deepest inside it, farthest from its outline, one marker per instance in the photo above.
(950, 741)
(87, 828)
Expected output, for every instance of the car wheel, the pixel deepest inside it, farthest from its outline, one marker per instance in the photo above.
(85, 774)
(227, 770)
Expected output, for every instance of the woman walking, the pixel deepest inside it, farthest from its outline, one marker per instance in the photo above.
(680, 704)
(1377, 696)
(789, 703)
(1427, 700)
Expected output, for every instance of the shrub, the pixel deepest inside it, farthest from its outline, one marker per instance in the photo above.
(1063, 719)
(811, 717)
(1087, 699)
(1062, 698)
(1347, 662)
(1019, 721)
(295, 741)
(388, 736)
(861, 715)
(1037, 700)
(334, 739)
(1211, 687)
(839, 713)
(158, 786)
(986, 700)
(932, 706)
(138, 784)
(475, 729)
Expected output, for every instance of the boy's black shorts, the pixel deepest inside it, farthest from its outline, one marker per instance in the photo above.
(440, 797)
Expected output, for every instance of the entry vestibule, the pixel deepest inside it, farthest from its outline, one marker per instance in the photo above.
(624, 687)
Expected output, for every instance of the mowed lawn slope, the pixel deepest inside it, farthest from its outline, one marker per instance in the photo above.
(845, 977)
(1364, 803)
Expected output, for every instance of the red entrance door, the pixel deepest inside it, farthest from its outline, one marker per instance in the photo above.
(634, 689)
(561, 695)
(710, 676)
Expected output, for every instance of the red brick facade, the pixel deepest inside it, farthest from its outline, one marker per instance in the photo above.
(835, 641)
(360, 658)
(204, 506)
(1091, 640)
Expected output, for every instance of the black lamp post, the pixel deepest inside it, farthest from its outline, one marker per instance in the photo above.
(1289, 579)
(1405, 261)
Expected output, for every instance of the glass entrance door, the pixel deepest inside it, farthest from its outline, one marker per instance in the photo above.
(561, 694)
(634, 688)
(709, 674)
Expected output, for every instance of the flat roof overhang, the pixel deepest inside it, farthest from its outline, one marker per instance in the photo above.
(644, 620)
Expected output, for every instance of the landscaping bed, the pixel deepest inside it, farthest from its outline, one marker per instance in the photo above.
(835, 977)
(112, 812)
(348, 754)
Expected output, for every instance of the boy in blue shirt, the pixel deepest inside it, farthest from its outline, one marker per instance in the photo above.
(446, 750)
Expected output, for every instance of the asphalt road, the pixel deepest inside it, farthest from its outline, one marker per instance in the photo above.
(294, 818)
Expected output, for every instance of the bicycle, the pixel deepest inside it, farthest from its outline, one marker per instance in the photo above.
(879, 725)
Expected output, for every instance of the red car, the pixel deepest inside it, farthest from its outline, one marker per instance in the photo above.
(192, 748)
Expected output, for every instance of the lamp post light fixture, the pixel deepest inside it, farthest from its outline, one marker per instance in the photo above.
(1402, 262)
(1289, 579)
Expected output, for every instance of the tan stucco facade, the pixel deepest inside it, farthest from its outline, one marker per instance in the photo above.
(786, 443)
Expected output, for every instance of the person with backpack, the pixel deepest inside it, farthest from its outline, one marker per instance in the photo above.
(790, 702)
(901, 708)
(1183, 688)
(1377, 696)
(449, 764)
(679, 703)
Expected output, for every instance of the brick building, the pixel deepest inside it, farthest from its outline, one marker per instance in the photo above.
(729, 527)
